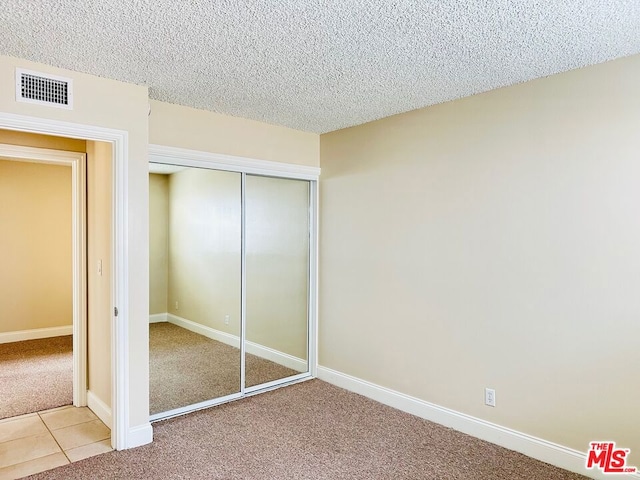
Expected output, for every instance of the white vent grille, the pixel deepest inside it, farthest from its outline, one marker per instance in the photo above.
(51, 90)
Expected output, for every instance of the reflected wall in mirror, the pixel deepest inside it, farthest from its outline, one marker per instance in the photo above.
(195, 285)
(277, 278)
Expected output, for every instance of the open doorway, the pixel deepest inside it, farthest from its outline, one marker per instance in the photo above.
(124, 434)
(55, 349)
(37, 284)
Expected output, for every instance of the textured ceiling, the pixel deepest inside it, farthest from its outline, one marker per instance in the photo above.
(319, 65)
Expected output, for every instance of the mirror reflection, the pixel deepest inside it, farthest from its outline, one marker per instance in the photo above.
(277, 278)
(195, 283)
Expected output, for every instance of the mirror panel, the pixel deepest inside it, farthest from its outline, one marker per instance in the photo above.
(195, 285)
(277, 278)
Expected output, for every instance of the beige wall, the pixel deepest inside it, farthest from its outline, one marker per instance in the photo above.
(204, 247)
(493, 242)
(158, 243)
(51, 283)
(116, 105)
(35, 246)
(177, 126)
(42, 141)
(99, 248)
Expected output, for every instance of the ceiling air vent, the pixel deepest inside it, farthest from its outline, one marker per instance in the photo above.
(43, 89)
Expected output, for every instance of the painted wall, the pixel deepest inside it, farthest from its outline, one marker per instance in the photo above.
(26, 139)
(35, 246)
(177, 126)
(493, 242)
(99, 269)
(158, 243)
(116, 105)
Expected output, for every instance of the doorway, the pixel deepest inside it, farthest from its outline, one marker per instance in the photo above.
(51, 300)
(44, 282)
(74, 217)
(122, 435)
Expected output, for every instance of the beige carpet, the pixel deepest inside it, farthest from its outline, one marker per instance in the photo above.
(311, 430)
(35, 375)
(187, 368)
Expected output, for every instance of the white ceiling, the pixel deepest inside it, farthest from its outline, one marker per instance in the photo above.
(319, 65)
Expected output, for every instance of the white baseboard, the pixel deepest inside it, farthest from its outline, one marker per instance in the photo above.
(549, 452)
(138, 436)
(101, 409)
(258, 350)
(36, 333)
(158, 317)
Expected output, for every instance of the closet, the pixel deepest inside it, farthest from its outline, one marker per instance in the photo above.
(232, 278)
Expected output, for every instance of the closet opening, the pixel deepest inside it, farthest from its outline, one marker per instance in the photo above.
(232, 278)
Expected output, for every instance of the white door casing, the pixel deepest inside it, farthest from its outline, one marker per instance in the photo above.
(122, 434)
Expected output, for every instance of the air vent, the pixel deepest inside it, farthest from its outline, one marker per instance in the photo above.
(43, 89)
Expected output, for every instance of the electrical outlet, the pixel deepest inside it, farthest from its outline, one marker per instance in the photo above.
(177, 307)
(226, 319)
(490, 397)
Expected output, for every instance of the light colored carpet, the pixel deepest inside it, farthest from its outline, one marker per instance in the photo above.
(187, 368)
(310, 430)
(35, 375)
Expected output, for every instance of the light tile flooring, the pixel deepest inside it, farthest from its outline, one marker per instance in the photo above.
(41, 441)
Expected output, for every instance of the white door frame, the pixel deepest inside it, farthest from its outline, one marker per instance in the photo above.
(77, 162)
(119, 331)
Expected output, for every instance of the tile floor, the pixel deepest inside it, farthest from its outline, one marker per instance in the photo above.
(41, 441)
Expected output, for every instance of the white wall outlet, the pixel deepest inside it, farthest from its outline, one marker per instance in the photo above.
(490, 397)
(100, 267)
(177, 307)
(226, 319)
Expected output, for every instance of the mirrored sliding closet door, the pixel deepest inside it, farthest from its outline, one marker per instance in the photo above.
(195, 286)
(230, 284)
(277, 278)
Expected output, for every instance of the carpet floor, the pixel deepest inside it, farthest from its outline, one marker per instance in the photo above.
(187, 368)
(311, 430)
(35, 375)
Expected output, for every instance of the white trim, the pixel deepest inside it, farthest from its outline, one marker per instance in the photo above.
(139, 435)
(231, 163)
(243, 282)
(549, 452)
(77, 162)
(101, 409)
(281, 358)
(158, 318)
(40, 155)
(120, 335)
(35, 334)
(120, 399)
(314, 214)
